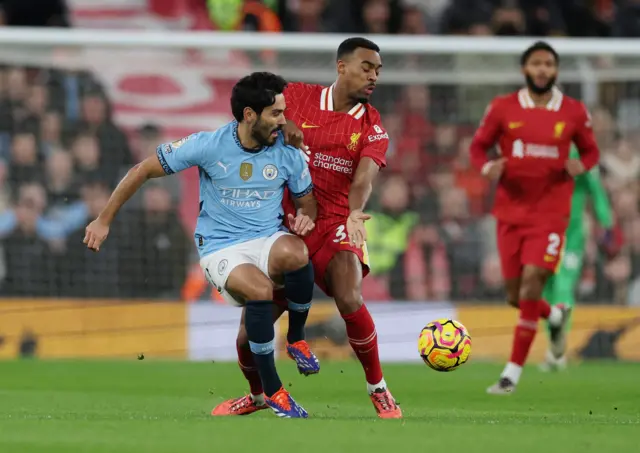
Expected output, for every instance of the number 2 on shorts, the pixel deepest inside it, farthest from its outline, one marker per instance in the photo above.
(553, 249)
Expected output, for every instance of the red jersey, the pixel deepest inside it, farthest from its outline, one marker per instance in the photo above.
(534, 188)
(337, 142)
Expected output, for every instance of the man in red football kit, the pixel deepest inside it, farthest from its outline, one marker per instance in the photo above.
(534, 128)
(347, 147)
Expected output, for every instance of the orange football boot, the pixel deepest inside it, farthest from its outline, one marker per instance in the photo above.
(238, 406)
(385, 404)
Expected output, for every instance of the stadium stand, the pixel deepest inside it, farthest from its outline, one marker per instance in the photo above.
(66, 136)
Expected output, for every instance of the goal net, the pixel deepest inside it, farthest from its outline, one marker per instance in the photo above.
(77, 108)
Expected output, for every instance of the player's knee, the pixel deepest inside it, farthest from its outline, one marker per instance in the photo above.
(533, 281)
(292, 254)
(262, 290)
(242, 340)
(531, 289)
(347, 300)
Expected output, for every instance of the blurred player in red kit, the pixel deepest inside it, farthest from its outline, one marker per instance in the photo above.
(346, 147)
(533, 128)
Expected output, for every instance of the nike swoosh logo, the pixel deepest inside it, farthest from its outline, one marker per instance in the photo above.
(516, 125)
(305, 125)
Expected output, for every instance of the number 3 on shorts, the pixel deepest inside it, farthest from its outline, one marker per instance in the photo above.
(340, 234)
(341, 238)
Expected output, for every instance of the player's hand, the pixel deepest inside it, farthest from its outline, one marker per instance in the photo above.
(294, 137)
(301, 224)
(610, 242)
(493, 169)
(574, 167)
(355, 228)
(95, 234)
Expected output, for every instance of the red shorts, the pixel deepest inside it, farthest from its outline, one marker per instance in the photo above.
(323, 243)
(520, 245)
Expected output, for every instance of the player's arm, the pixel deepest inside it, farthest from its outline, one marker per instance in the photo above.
(301, 189)
(484, 139)
(609, 241)
(599, 198)
(372, 158)
(362, 184)
(586, 144)
(170, 158)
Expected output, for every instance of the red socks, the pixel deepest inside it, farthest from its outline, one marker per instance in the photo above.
(544, 309)
(362, 337)
(249, 369)
(364, 340)
(526, 330)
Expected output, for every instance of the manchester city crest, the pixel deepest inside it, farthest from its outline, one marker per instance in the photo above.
(270, 172)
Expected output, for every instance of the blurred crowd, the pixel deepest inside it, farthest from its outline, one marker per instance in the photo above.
(460, 17)
(61, 154)
(431, 237)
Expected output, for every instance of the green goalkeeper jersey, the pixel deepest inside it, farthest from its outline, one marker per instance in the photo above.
(588, 185)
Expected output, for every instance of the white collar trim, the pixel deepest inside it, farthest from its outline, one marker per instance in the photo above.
(554, 103)
(326, 103)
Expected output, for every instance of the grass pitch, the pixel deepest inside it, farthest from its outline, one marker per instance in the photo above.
(158, 407)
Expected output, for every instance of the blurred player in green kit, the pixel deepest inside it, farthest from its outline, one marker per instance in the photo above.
(561, 287)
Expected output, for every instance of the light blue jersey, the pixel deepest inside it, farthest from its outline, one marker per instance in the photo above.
(240, 190)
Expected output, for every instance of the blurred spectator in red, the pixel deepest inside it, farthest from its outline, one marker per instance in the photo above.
(461, 236)
(470, 180)
(443, 148)
(413, 108)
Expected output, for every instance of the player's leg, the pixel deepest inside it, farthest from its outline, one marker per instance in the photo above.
(343, 278)
(285, 258)
(540, 253)
(512, 287)
(254, 401)
(289, 264)
(562, 294)
(250, 283)
(509, 241)
(239, 273)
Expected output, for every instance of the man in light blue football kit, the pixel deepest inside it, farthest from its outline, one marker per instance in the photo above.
(244, 250)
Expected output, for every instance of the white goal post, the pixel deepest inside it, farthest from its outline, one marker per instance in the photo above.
(409, 59)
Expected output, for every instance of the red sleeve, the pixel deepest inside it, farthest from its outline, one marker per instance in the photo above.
(295, 95)
(585, 141)
(486, 135)
(376, 143)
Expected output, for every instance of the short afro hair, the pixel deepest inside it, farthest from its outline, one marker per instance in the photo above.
(540, 45)
(348, 46)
